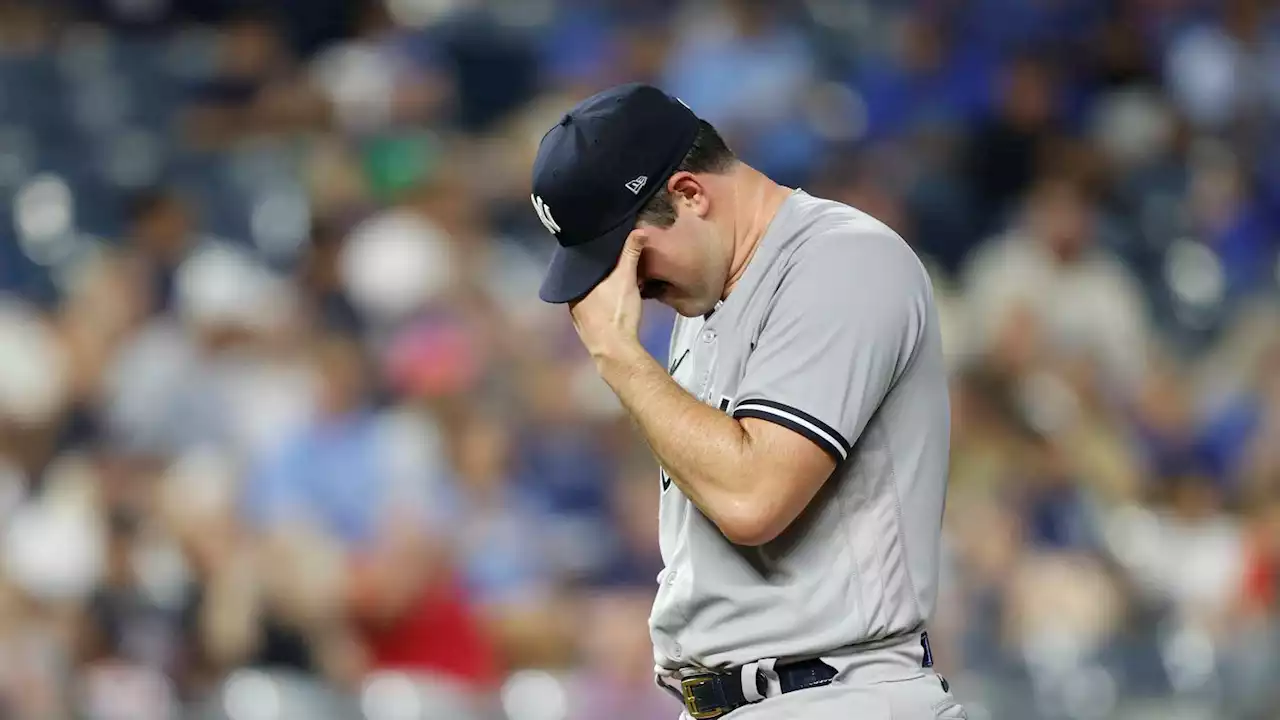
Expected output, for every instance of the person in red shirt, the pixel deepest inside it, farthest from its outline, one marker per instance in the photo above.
(351, 547)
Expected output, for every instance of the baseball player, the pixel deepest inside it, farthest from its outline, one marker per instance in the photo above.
(802, 426)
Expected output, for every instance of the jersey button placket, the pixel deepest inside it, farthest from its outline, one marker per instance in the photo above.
(706, 337)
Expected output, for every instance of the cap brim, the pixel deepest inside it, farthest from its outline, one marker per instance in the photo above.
(576, 270)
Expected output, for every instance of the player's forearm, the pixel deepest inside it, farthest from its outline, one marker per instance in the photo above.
(706, 452)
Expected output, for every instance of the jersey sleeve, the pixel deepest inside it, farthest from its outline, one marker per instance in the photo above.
(843, 324)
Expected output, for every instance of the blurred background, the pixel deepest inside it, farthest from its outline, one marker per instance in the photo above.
(285, 433)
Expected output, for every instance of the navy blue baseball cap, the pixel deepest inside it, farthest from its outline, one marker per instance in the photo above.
(595, 170)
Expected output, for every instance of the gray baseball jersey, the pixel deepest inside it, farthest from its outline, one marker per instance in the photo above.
(831, 332)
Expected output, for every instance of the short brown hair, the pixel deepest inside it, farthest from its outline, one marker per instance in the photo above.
(709, 154)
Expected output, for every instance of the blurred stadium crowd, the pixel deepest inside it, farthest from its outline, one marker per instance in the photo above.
(285, 433)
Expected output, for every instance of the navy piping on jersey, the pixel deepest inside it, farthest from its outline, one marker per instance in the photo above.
(827, 437)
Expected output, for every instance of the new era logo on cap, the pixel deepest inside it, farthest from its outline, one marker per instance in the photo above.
(630, 136)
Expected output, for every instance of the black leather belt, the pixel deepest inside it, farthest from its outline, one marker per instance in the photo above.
(714, 695)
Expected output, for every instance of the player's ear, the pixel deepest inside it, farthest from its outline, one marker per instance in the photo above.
(687, 190)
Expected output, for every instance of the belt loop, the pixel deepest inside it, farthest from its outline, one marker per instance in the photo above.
(750, 677)
(751, 673)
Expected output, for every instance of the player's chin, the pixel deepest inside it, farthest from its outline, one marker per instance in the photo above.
(671, 296)
(675, 303)
(688, 307)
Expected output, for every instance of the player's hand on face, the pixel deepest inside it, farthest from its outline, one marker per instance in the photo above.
(608, 318)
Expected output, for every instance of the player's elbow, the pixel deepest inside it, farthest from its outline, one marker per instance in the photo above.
(759, 514)
(748, 536)
(780, 473)
(751, 524)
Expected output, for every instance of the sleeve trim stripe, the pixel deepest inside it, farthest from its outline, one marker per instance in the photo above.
(836, 436)
(806, 425)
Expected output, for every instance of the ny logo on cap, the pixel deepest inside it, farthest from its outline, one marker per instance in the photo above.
(544, 214)
(635, 185)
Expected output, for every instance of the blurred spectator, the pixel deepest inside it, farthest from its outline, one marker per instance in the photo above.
(1228, 219)
(1221, 69)
(250, 54)
(1120, 44)
(565, 461)
(492, 62)
(498, 533)
(396, 262)
(1006, 151)
(161, 234)
(254, 89)
(134, 623)
(374, 80)
(1257, 447)
(207, 376)
(1262, 574)
(932, 79)
(1203, 563)
(346, 519)
(634, 508)
(616, 679)
(1078, 296)
(319, 280)
(33, 387)
(747, 69)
